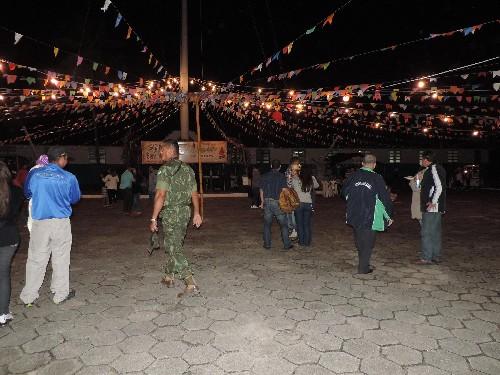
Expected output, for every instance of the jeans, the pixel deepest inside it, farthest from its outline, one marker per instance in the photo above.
(431, 235)
(136, 206)
(290, 218)
(365, 241)
(112, 195)
(127, 199)
(6, 254)
(303, 215)
(255, 196)
(271, 209)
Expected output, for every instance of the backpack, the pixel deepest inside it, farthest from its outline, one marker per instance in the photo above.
(289, 200)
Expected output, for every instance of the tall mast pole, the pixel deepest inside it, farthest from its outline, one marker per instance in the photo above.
(184, 72)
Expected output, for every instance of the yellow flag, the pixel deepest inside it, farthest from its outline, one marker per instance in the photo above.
(56, 51)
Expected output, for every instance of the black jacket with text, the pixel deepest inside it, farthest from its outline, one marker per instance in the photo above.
(361, 191)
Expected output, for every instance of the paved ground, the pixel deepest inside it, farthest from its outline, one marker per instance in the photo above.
(266, 312)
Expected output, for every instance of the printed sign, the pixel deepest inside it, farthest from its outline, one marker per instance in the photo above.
(211, 152)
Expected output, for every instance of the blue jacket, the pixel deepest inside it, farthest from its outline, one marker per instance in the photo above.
(52, 191)
(362, 190)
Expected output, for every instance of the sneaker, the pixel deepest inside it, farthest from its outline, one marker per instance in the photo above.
(70, 295)
(253, 206)
(293, 236)
(5, 318)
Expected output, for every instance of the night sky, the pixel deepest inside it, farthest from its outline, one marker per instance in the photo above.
(237, 35)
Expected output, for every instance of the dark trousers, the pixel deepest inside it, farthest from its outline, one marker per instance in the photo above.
(255, 196)
(112, 195)
(303, 215)
(127, 199)
(431, 235)
(365, 241)
(6, 254)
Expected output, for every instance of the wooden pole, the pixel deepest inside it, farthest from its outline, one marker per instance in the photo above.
(200, 170)
(184, 77)
(31, 143)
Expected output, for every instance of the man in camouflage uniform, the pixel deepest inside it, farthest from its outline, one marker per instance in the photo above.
(175, 190)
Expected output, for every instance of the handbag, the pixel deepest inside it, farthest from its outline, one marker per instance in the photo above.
(289, 200)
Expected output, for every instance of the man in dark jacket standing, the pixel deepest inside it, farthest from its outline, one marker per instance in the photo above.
(369, 209)
(433, 205)
(271, 186)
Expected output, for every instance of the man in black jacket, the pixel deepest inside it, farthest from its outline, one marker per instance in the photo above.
(369, 208)
(433, 205)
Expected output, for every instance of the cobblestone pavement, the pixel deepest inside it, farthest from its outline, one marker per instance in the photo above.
(268, 312)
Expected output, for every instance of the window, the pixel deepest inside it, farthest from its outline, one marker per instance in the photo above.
(102, 155)
(301, 154)
(263, 156)
(394, 156)
(452, 156)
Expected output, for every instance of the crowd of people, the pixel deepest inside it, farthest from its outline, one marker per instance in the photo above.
(369, 207)
(289, 197)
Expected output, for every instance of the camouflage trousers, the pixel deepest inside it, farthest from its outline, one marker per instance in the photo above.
(175, 221)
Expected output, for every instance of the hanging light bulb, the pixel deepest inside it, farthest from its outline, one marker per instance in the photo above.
(425, 130)
(53, 97)
(192, 82)
(246, 104)
(421, 84)
(259, 91)
(268, 106)
(434, 95)
(346, 98)
(291, 92)
(54, 81)
(203, 88)
(377, 125)
(475, 133)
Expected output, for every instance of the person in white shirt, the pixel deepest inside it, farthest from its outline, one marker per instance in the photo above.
(111, 181)
(304, 184)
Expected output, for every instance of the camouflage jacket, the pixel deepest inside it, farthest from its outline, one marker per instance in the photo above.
(178, 180)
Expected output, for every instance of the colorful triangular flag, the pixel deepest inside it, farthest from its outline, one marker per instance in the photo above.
(106, 5)
(118, 19)
(17, 38)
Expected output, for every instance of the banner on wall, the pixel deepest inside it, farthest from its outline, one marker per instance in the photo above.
(211, 152)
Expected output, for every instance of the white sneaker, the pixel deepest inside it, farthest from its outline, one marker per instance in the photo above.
(253, 206)
(4, 318)
(294, 234)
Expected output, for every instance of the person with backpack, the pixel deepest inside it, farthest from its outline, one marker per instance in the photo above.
(272, 184)
(304, 185)
(369, 209)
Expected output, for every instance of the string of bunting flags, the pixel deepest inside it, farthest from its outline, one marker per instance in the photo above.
(470, 30)
(287, 49)
(120, 19)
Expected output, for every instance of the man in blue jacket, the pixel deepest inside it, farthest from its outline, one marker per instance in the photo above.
(52, 191)
(369, 208)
